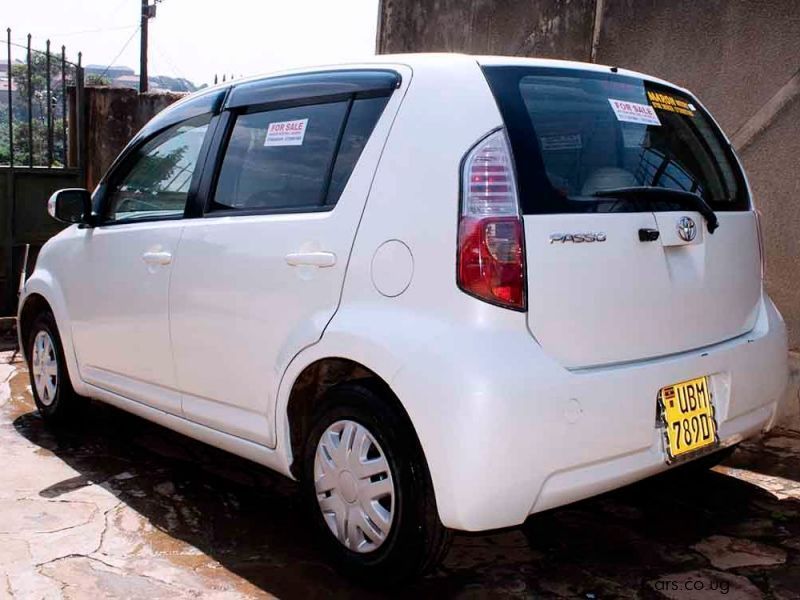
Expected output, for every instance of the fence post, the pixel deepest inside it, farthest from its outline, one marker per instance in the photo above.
(30, 106)
(49, 108)
(64, 105)
(10, 107)
(7, 228)
(80, 115)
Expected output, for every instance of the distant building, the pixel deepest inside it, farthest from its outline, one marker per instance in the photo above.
(6, 81)
(126, 81)
(110, 72)
(126, 77)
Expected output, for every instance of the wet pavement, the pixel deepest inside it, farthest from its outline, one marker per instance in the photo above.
(117, 507)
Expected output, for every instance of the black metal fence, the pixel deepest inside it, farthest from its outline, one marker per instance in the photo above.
(42, 149)
(34, 107)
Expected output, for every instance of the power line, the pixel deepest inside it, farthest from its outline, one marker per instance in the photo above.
(117, 8)
(98, 30)
(163, 54)
(23, 46)
(125, 45)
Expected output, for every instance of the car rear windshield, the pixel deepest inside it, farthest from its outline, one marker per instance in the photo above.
(579, 135)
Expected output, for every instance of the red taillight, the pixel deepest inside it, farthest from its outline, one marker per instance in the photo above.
(491, 257)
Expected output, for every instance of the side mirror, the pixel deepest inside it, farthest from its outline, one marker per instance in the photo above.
(72, 205)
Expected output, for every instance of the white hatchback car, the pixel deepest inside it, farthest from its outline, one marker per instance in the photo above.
(444, 292)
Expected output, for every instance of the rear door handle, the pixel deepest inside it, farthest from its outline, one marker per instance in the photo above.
(157, 258)
(312, 259)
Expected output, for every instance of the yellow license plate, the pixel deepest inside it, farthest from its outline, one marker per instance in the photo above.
(688, 417)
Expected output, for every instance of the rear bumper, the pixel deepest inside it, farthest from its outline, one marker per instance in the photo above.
(508, 432)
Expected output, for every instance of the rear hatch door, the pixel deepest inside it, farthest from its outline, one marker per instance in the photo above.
(616, 274)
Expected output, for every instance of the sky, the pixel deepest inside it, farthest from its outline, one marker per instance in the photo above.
(196, 39)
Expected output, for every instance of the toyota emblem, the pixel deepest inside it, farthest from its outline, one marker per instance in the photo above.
(687, 230)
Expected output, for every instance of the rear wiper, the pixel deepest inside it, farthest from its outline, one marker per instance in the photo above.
(653, 194)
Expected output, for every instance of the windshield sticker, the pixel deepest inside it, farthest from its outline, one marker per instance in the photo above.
(671, 104)
(631, 112)
(286, 133)
(569, 141)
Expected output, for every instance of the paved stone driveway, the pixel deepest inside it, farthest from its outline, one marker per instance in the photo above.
(120, 508)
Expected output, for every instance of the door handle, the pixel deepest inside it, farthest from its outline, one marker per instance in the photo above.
(312, 259)
(157, 258)
(648, 235)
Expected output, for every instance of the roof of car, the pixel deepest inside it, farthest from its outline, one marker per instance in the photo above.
(419, 61)
(438, 58)
(514, 61)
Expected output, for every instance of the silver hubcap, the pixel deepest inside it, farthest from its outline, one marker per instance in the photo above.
(45, 368)
(354, 486)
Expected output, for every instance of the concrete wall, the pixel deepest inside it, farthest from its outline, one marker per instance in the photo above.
(549, 28)
(741, 57)
(113, 116)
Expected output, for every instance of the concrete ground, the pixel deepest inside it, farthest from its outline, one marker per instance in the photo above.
(120, 508)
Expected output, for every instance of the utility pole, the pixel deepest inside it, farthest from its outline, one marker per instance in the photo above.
(148, 12)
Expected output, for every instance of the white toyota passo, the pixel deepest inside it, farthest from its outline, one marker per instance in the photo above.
(444, 292)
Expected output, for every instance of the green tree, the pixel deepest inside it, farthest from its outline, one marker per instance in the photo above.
(5, 154)
(154, 171)
(39, 102)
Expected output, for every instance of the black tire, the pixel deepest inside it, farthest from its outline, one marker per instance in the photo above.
(64, 404)
(416, 541)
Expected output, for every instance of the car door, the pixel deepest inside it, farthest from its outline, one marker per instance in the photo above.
(118, 290)
(259, 277)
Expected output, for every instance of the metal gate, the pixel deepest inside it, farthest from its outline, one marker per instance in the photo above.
(42, 149)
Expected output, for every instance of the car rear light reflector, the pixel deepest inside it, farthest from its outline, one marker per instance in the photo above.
(491, 256)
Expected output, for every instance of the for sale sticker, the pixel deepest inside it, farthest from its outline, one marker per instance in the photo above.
(631, 112)
(286, 133)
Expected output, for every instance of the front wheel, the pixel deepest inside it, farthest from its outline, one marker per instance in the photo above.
(52, 390)
(367, 485)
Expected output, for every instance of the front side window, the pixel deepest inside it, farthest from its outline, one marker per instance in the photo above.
(579, 136)
(156, 182)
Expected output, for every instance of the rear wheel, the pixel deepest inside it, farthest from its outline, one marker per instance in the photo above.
(52, 390)
(367, 485)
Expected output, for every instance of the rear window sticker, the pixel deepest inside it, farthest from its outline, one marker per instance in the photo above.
(633, 112)
(568, 141)
(286, 133)
(671, 104)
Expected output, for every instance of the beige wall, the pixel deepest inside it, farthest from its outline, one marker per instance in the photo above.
(741, 57)
(113, 117)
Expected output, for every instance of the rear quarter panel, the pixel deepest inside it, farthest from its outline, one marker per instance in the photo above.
(414, 198)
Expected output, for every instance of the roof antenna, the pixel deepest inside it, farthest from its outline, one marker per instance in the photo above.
(614, 69)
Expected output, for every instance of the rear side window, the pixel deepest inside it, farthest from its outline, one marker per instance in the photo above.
(280, 159)
(578, 135)
(364, 114)
(294, 159)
